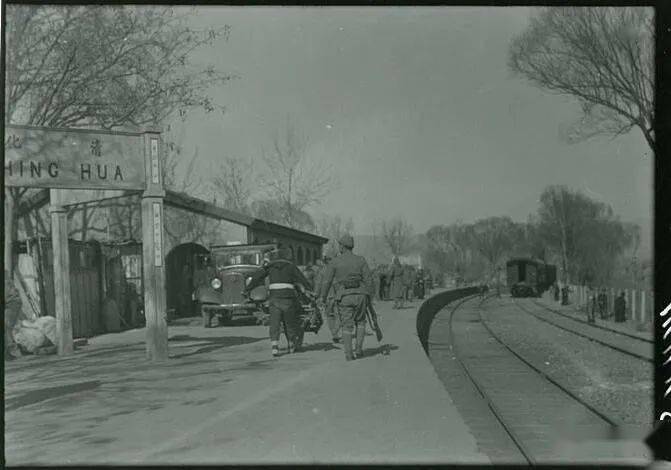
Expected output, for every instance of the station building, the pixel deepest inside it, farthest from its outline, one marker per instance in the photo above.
(106, 252)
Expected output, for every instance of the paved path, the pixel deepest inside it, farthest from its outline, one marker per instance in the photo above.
(221, 398)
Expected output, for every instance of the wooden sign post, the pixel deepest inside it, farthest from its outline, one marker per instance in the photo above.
(83, 159)
(152, 252)
(63, 301)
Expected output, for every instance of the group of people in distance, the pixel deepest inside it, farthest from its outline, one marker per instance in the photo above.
(598, 303)
(402, 283)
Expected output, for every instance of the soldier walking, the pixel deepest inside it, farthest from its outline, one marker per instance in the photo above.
(353, 282)
(284, 277)
(397, 291)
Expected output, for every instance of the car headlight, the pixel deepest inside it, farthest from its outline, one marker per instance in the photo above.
(216, 283)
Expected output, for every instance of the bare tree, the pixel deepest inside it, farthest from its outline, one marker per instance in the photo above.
(107, 67)
(585, 233)
(603, 57)
(333, 227)
(234, 182)
(182, 226)
(492, 237)
(292, 179)
(450, 245)
(397, 235)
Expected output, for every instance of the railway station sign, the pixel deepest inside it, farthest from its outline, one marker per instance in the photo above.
(73, 158)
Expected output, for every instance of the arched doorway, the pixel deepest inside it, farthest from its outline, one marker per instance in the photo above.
(179, 275)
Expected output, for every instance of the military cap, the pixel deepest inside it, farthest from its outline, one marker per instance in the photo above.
(347, 241)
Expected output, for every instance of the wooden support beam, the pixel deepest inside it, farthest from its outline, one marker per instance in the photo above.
(61, 253)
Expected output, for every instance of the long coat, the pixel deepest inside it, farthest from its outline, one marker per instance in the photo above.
(397, 289)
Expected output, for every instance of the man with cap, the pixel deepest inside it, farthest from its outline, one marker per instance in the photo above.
(353, 283)
(284, 278)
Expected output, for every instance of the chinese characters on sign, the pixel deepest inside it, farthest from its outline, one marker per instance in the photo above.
(158, 228)
(154, 161)
(74, 159)
(13, 141)
(96, 148)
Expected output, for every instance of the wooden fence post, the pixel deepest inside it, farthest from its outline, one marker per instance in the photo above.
(61, 255)
(581, 297)
(643, 312)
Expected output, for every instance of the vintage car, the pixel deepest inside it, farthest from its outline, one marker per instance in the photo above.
(219, 291)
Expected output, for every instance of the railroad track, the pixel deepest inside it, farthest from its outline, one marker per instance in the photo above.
(594, 325)
(531, 407)
(439, 346)
(629, 344)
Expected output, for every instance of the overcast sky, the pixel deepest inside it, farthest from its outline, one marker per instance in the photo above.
(415, 110)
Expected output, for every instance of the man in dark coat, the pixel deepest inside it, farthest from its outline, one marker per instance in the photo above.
(353, 283)
(284, 277)
(419, 284)
(602, 301)
(620, 308)
(383, 284)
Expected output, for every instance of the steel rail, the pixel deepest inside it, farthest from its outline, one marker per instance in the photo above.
(601, 327)
(591, 338)
(492, 407)
(546, 376)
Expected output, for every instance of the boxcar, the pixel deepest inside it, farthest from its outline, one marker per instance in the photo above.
(528, 277)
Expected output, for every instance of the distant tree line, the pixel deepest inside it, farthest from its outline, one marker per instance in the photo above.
(583, 237)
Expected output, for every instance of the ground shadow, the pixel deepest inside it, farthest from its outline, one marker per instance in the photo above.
(381, 349)
(213, 343)
(318, 347)
(244, 321)
(215, 323)
(36, 396)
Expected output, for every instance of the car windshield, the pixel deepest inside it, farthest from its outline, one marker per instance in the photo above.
(230, 259)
